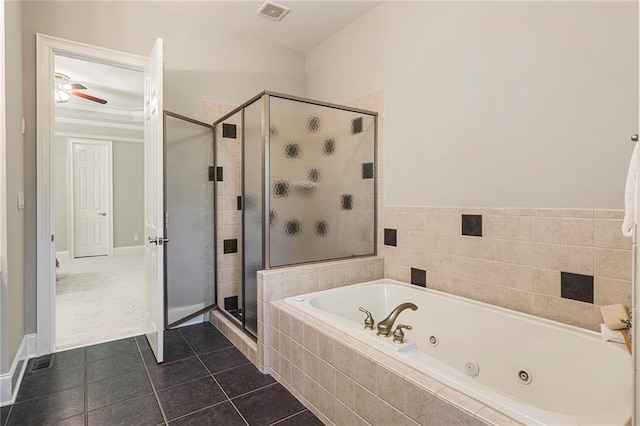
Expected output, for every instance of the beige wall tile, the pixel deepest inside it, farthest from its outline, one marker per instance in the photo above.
(545, 229)
(607, 234)
(612, 263)
(483, 248)
(576, 259)
(577, 213)
(493, 226)
(495, 418)
(517, 252)
(517, 211)
(545, 281)
(544, 255)
(327, 376)
(366, 404)
(577, 313)
(546, 306)
(518, 228)
(344, 415)
(364, 371)
(577, 232)
(327, 403)
(345, 389)
(608, 214)
(390, 385)
(460, 400)
(517, 277)
(545, 212)
(609, 291)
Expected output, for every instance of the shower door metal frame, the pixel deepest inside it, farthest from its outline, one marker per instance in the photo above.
(174, 324)
(265, 97)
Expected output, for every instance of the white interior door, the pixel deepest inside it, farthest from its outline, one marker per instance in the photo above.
(154, 200)
(91, 187)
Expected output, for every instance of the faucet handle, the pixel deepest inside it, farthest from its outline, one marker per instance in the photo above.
(369, 323)
(398, 334)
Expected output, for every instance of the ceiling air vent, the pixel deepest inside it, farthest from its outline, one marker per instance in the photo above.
(273, 11)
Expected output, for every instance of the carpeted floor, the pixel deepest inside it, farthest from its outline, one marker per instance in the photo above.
(99, 299)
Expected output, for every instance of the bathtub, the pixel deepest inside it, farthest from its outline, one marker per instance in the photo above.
(534, 370)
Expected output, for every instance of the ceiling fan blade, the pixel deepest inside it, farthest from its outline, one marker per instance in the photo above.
(78, 86)
(88, 97)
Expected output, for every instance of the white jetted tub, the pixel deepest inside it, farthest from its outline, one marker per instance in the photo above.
(534, 370)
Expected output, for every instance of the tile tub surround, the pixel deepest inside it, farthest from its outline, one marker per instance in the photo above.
(343, 381)
(276, 284)
(560, 264)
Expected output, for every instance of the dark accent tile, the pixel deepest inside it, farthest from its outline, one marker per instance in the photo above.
(212, 174)
(367, 171)
(219, 174)
(49, 408)
(175, 373)
(231, 303)
(306, 418)
(229, 131)
(419, 277)
(223, 360)
(105, 350)
(390, 237)
(221, 414)
(242, 380)
(114, 366)
(177, 350)
(189, 397)
(172, 337)
(356, 126)
(71, 421)
(210, 343)
(203, 329)
(116, 389)
(4, 414)
(143, 343)
(346, 202)
(230, 246)
(472, 225)
(576, 287)
(149, 359)
(142, 410)
(267, 405)
(51, 381)
(239, 202)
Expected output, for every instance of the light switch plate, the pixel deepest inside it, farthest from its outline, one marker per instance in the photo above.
(20, 200)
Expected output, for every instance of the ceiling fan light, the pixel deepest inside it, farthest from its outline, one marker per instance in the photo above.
(62, 96)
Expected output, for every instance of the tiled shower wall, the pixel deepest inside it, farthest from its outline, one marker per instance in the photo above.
(229, 187)
(560, 264)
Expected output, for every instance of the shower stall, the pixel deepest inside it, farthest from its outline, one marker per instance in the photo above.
(295, 183)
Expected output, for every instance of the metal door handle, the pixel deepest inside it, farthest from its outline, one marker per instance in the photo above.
(158, 240)
(634, 138)
(102, 214)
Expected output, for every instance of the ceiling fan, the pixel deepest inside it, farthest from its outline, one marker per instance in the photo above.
(65, 89)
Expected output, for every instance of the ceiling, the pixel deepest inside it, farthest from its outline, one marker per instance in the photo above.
(307, 25)
(122, 88)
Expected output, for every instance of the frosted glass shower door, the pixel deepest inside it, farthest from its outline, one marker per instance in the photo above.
(190, 226)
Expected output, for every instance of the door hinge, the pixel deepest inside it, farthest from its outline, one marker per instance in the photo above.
(52, 237)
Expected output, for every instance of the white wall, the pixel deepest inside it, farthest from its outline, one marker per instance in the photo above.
(201, 63)
(13, 312)
(494, 103)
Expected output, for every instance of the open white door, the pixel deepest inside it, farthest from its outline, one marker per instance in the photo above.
(154, 200)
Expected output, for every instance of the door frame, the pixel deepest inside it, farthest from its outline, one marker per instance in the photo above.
(47, 47)
(70, 192)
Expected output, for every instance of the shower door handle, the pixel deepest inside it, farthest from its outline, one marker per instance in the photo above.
(634, 138)
(158, 240)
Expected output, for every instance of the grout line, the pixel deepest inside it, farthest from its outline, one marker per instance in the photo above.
(293, 415)
(256, 389)
(215, 380)
(155, 393)
(200, 409)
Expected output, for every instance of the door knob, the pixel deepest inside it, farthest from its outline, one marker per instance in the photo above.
(634, 138)
(158, 240)
(102, 214)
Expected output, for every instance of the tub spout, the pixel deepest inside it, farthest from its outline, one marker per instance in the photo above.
(385, 326)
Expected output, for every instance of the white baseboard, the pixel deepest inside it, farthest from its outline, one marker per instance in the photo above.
(62, 255)
(27, 350)
(128, 251)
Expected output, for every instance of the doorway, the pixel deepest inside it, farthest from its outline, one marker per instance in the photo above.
(99, 208)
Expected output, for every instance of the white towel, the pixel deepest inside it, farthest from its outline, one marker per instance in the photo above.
(611, 335)
(630, 195)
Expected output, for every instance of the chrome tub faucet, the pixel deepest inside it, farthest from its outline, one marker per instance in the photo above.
(385, 326)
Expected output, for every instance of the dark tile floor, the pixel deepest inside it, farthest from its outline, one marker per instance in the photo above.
(204, 380)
